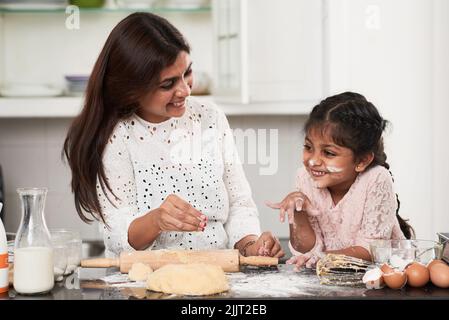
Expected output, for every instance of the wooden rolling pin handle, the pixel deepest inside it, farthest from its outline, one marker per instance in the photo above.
(258, 261)
(100, 263)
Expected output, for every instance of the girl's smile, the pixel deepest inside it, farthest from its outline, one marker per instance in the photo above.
(318, 174)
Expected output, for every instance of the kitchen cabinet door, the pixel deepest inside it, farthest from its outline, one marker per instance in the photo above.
(267, 50)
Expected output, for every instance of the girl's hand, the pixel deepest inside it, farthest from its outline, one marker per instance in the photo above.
(294, 202)
(266, 245)
(175, 214)
(308, 260)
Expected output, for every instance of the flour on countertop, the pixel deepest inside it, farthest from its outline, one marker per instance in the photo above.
(273, 284)
(122, 280)
(287, 283)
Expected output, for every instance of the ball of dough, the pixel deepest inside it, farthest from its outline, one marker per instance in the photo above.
(188, 279)
(139, 272)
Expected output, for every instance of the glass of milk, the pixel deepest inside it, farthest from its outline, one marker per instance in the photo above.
(33, 250)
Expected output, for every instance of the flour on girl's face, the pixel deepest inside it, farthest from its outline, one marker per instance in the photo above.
(330, 169)
(333, 169)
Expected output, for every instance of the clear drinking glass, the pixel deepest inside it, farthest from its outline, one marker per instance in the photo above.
(398, 253)
(33, 251)
(73, 244)
(60, 255)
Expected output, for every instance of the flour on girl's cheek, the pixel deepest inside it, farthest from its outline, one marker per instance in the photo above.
(332, 169)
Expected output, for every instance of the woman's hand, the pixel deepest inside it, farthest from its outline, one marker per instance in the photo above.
(293, 202)
(175, 214)
(266, 245)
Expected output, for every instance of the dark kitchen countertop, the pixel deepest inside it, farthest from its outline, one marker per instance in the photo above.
(251, 283)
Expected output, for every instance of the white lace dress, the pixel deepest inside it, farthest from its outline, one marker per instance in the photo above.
(194, 157)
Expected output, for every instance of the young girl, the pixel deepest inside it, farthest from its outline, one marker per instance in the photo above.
(129, 152)
(344, 194)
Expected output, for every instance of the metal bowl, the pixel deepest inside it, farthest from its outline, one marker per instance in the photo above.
(398, 253)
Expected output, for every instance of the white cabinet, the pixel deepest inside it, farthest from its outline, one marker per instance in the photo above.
(268, 50)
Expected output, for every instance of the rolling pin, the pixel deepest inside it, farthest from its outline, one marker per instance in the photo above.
(230, 259)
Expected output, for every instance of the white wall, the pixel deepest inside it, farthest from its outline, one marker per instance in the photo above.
(30, 155)
(440, 154)
(392, 52)
(274, 187)
(2, 63)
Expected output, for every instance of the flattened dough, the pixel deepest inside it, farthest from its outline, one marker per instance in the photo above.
(139, 272)
(188, 279)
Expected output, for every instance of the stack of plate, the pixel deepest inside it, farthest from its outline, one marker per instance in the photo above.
(76, 84)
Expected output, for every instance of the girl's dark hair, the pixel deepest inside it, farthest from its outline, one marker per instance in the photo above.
(355, 123)
(128, 67)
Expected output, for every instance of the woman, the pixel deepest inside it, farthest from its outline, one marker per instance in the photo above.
(156, 167)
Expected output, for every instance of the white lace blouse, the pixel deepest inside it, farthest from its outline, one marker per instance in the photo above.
(194, 157)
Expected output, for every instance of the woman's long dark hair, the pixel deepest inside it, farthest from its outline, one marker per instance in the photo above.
(355, 123)
(128, 67)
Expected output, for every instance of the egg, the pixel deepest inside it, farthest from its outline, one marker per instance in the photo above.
(417, 274)
(434, 262)
(386, 268)
(395, 279)
(439, 275)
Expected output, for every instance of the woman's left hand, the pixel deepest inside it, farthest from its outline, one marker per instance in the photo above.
(266, 245)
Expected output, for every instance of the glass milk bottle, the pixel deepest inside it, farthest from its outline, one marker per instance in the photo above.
(33, 252)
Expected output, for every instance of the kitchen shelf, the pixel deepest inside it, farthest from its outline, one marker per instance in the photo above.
(68, 107)
(8, 10)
